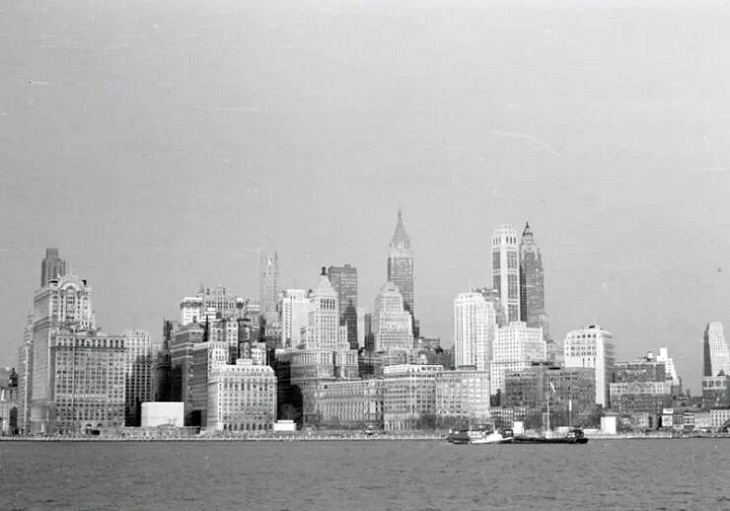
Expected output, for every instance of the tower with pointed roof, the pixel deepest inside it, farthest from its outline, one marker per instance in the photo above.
(400, 266)
(532, 283)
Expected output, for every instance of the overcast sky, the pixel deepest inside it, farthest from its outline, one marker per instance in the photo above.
(159, 145)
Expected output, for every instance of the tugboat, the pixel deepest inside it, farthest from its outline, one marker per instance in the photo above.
(480, 435)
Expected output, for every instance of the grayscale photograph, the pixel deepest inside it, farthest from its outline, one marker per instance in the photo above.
(270, 255)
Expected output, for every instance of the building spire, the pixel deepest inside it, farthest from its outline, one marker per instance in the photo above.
(527, 231)
(400, 236)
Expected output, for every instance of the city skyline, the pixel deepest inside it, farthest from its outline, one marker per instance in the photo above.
(613, 151)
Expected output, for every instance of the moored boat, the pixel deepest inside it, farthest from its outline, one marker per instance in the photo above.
(574, 436)
(481, 435)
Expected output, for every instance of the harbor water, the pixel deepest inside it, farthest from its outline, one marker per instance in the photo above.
(378, 475)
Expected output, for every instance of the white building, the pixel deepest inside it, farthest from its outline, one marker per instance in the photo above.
(592, 347)
(242, 397)
(216, 303)
(717, 355)
(506, 269)
(294, 316)
(463, 395)
(516, 346)
(475, 324)
(348, 403)
(392, 325)
(409, 396)
(323, 332)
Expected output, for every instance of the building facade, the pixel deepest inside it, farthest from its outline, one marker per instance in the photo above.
(294, 317)
(392, 324)
(88, 380)
(210, 305)
(532, 283)
(241, 397)
(400, 267)
(344, 282)
(140, 355)
(25, 368)
(269, 286)
(462, 396)
(409, 396)
(62, 306)
(475, 326)
(716, 353)
(506, 270)
(516, 347)
(592, 347)
(350, 403)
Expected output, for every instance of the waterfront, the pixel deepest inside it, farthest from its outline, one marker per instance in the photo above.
(429, 475)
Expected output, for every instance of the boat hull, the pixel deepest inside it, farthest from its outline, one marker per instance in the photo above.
(543, 440)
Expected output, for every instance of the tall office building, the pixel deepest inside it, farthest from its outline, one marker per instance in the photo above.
(323, 331)
(25, 368)
(63, 305)
(532, 283)
(88, 375)
(344, 281)
(506, 270)
(400, 267)
(269, 286)
(140, 355)
(516, 347)
(475, 324)
(392, 323)
(592, 347)
(294, 317)
(716, 353)
(211, 304)
(52, 266)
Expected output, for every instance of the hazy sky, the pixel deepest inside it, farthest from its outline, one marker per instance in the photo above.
(159, 145)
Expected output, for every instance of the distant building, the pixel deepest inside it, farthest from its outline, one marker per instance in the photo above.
(506, 270)
(269, 286)
(462, 396)
(532, 284)
(400, 268)
(25, 368)
(63, 305)
(391, 323)
(218, 303)
(181, 362)
(515, 348)
(323, 330)
(592, 347)
(155, 414)
(207, 356)
(350, 403)
(475, 325)
(52, 267)
(88, 381)
(294, 317)
(641, 386)
(241, 397)
(716, 391)
(571, 391)
(716, 353)
(140, 355)
(671, 371)
(344, 282)
(409, 396)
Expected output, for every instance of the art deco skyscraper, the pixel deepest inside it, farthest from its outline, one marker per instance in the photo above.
(344, 281)
(532, 283)
(716, 353)
(323, 332)
(506, 271)
(270, 286)
(391, 322)
(52, 266)
(400, 265)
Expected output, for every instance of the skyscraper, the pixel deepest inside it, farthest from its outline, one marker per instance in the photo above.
(475, 323)
(270, 286)
(515, 347)
(294, 316)
(532, 283)
(323, 332)
(391, 323)
(716, 354)
(140, 355)
(52, 266)
(344, 281)
(592, 347)
(506, 270)
(400, 266)
(63, 305)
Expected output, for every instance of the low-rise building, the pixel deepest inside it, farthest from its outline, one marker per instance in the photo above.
(462, 395)
(409, 396)
(350, 403)
(241, 397)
